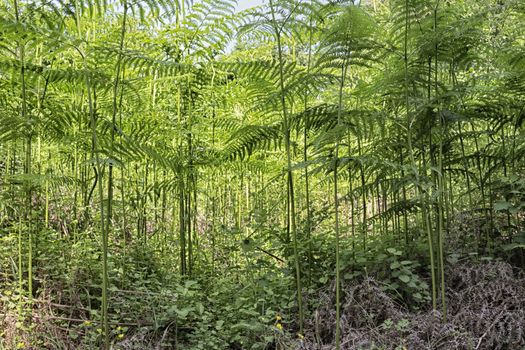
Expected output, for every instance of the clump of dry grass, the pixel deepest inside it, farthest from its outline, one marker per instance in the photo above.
(486, 310)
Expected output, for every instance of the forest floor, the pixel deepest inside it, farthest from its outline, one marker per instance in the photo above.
(485, 310)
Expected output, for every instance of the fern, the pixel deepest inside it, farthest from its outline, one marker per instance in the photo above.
(247, 139)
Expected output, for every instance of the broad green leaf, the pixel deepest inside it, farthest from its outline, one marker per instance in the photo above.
(404, 278)
(182, 313)
(395, 265)
(394, 251)
(502, 205)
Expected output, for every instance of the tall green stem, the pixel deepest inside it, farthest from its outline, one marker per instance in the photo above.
(98, 178)
(440, 175)
(115, 107)
(424, 197)
(336, 208)
(28, 157)
(291, 201)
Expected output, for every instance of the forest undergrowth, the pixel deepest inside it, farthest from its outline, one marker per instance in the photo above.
(485, 311)
(155, 310)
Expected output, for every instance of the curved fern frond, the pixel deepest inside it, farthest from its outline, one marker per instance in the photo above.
(247, 139)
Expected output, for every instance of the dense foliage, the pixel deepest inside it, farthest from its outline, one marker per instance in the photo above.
(177, 174)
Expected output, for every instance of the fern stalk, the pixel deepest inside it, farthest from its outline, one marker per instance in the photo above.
(290, 198)
(426, 219)
(28, 158)
(336, 209)
(363, 193)
(305, 157)
(441, 191)
(115, 107)
(105, 344)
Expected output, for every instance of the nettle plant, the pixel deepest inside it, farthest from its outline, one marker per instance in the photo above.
(403, 277)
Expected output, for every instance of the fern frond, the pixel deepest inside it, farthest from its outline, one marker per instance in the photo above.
(249, 138)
